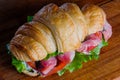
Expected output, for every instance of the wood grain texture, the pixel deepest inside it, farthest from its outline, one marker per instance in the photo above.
(106, 68)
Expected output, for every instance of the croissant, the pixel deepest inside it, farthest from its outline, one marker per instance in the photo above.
(61, 29)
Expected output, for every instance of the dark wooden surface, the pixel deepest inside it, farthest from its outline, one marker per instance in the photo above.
(13, 14)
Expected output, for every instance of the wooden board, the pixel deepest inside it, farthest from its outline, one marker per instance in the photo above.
(106, 68)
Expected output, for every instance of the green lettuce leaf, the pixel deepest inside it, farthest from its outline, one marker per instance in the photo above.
(81, 57)
(53, 54)
(19, 65)
(29, 18)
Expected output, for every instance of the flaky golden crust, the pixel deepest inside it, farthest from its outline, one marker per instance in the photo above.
(25, 48)
(95, 18)
(78, 18)
(40, 33)
(61, 25)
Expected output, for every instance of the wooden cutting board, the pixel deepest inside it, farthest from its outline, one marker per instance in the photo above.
(106, 68)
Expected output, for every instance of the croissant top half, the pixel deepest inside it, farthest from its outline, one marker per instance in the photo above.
(55, 28)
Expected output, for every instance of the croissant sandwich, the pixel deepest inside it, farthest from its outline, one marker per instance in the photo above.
(59, 39)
